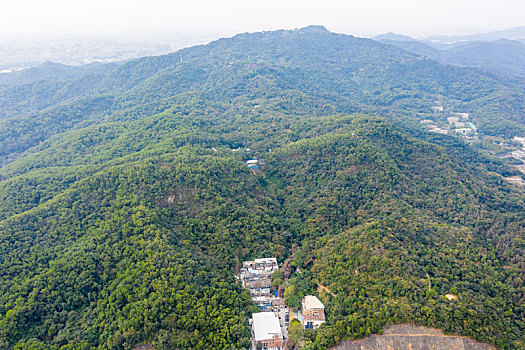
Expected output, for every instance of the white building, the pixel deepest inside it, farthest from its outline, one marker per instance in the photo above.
(463, 115)
(520, 140)
(267, 331)
(464, 131)
(439, 130)
(518, 154)
(452, 120)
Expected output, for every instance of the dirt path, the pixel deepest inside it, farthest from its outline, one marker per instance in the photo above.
(326, 289)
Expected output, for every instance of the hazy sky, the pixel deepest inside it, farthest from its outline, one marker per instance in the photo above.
(224, 17)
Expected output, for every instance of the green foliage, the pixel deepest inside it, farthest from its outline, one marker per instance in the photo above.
(125, 225)
(294, 72)
(295, 335)
(394, 227)
(140, 246)
(277, 278)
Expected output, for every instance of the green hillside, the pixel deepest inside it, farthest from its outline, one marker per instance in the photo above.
(126, 208)
(309, 70)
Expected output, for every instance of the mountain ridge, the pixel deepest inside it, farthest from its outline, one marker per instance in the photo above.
(511, 33)
(125, 225)
(343, 71)
(502, 56)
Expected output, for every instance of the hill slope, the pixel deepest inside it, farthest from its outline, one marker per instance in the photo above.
(291, 68)
(126, 224)
(413, 337)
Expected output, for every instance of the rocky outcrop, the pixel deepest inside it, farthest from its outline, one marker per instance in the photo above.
(410, 337)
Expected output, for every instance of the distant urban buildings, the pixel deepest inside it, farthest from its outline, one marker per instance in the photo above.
(29, 52)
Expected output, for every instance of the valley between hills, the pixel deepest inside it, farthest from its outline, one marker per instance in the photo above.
(128, 202)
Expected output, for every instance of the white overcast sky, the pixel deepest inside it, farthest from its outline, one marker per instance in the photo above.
(225, 17)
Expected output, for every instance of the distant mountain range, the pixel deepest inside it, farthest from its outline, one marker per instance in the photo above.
(500, 52)
(517, 33)
(394, 36)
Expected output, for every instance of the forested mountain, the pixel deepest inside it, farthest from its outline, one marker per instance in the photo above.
(349, 74)
(501, 57)
(126, 208)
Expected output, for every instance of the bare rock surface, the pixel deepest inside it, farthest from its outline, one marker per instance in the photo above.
(410, 337)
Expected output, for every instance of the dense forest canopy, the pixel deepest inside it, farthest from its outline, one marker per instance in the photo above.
(126, 208)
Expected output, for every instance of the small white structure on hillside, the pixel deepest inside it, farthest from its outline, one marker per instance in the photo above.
(520, 140)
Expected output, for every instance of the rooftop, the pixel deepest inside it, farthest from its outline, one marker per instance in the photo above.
(265, 326)
(311, 302)
(265, 260)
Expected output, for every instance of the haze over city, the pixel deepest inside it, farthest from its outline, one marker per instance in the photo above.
(62, 18)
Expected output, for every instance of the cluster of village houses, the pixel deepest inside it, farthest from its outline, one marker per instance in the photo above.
(270, 326)
(459, 123)
(517, 154)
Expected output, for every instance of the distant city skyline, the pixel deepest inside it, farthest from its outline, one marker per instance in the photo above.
(104, 18)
